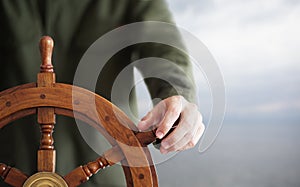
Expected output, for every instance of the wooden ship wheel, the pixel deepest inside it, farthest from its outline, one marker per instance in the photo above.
(46, 98)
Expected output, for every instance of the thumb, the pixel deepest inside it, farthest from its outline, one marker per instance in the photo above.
(153, 117)
(146, 122)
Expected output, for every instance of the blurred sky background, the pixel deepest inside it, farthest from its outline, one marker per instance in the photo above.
(256, 44)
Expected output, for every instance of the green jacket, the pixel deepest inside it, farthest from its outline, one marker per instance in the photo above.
(74, 25)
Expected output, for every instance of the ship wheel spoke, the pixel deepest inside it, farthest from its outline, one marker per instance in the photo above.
(12, 176)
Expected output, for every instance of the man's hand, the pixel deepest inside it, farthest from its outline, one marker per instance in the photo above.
(190, 127)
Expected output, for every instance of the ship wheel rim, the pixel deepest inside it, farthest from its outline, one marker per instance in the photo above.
(132, 177)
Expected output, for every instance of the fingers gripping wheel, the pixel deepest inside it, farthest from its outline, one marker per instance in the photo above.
(44, 99)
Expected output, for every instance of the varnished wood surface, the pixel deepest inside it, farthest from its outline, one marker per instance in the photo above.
(12, 176)
(46, 160)
(47, 98)
(46, 156)
(46, 49)
(53, 97)
(82, 173)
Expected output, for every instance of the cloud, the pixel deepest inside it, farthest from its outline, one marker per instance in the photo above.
(245, 33)
(256, 43)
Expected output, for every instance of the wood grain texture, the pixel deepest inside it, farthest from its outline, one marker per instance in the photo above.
(19, 114)
(82, 117)
(106, 115)
(46, 156)
(82, 173)
(47, 98)
(46, 114)
(46, 160)
(12, 176)
(76, 177)
(46, 49)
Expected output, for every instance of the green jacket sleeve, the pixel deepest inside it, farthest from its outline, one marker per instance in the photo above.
(173, 78)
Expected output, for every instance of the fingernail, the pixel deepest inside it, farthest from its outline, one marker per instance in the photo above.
(165, 145)
(163, 151)
(159, 135)
(146, 117)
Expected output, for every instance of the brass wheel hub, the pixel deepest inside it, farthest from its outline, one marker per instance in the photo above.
(45, 179)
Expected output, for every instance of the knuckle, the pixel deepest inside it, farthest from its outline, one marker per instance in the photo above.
(200, 117)
(177, 98)
(193, 106)
(189, 136)
(171, 140)
(191, 144)
(164, 128)
(174, 148)
(188, 124)
(173, 110)
(180, 98)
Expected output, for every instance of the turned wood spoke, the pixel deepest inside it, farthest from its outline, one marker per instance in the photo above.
(114, 155)
(45, 99)
(12, 176)
(82, 173)
(46, 49)
(46, 116)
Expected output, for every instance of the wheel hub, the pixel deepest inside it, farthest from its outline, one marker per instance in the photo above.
(45, 179)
